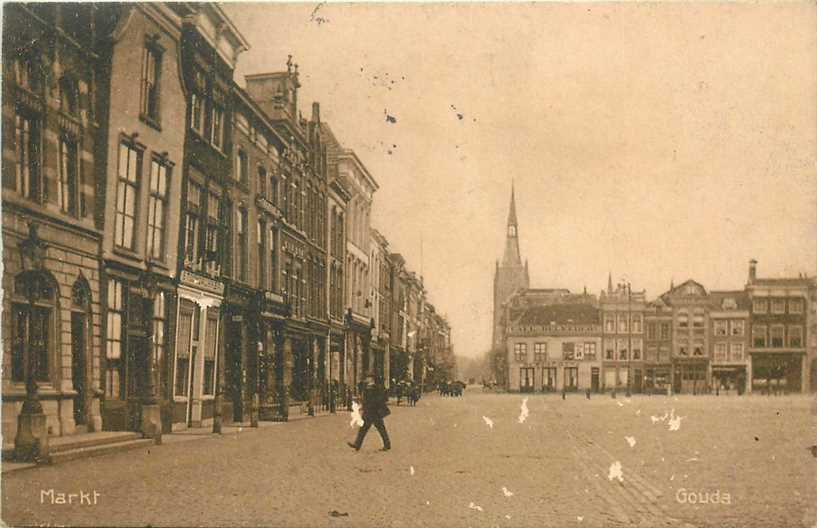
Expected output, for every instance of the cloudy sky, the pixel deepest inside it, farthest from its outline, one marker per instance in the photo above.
(657, 142)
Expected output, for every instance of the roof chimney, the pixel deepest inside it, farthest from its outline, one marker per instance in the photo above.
(752, 271)
(316, 112)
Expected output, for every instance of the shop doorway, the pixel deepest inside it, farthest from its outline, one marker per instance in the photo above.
(526, 379)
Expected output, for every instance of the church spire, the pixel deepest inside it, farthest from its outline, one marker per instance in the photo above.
(512, 256)
(512, 212)
(609, 282)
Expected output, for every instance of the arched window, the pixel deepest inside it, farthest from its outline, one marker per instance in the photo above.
(32, 320)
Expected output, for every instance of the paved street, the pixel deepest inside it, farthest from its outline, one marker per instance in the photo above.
(554, 469)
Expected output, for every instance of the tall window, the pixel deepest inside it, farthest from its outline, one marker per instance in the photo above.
(590, 350)
(720, 351)
(212, 231)
(262, 182)
(651, 331)
(520, 352)
(241, 166)
(737, 328)
(622, 324)
(665, 331)
(241, 254)
(776, 336)
(68, 96)
(197, 112)
(27, 167)
(68, 184)
(261, 230)
(636, 323)
(151, 72)
(31, 329)
(736, 351)
(159, 346)
(217, 127)
(273, 260)
(795, 306)
(159, 175)
(795, 336)
(113, 387)
(197, 101)
(759, 336)
(540, 351)
(211, 340)
(273, 189)
(720, 328)
(759, 306)
(127, 187)
(191, 228)
(779, 306)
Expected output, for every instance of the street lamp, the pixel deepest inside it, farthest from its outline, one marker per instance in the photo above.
(151, 412)
(31, 442)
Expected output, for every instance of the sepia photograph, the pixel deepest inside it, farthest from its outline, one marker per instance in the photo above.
(409, 264)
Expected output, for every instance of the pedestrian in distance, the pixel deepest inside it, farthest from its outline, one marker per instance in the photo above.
(374, 410)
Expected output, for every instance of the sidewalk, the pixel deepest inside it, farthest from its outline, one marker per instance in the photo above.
(190, 434)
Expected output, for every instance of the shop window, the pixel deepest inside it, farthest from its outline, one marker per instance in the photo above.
(114, 389)
(211, 340)
(159, 333)
(183, 342)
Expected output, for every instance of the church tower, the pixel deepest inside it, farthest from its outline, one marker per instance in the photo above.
(510, 275)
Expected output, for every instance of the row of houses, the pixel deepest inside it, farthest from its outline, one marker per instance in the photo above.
(760, 339)
(179, 250)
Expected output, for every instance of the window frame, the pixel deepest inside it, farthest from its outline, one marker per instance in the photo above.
(127, 184)
(157, 195)
(151, 114)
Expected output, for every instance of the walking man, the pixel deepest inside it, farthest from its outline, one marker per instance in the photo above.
(374, 410)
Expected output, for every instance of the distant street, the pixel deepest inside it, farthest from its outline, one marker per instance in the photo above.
(449, 467)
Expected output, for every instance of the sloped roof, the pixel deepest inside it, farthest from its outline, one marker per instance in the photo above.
(567, 313)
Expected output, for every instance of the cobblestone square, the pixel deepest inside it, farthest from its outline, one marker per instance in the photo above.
(448, 467)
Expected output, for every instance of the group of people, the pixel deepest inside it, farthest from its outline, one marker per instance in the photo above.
(408, 390)
(451, 388)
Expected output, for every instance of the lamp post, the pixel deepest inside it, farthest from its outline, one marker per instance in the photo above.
(31, 441)
(151, 412)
